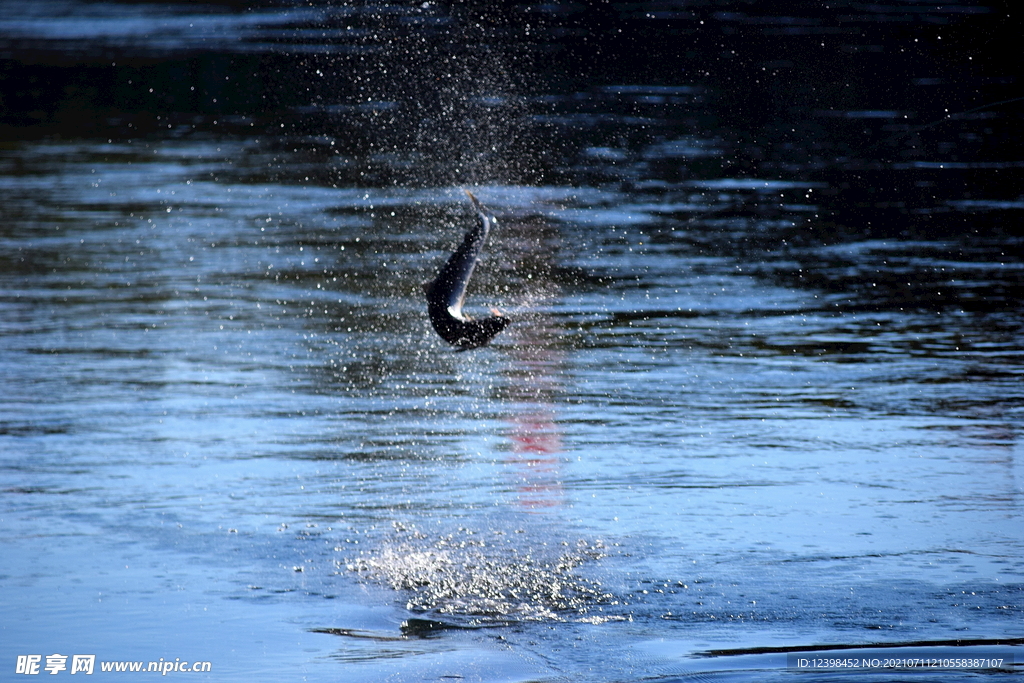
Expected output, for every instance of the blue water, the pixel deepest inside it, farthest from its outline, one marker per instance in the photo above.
(734, 421)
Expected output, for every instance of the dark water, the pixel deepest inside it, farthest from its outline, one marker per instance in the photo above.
(762, 398)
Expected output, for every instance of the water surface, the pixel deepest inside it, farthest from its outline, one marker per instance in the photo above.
(762, 395)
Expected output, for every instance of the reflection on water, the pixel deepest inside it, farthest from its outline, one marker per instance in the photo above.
(761, 394)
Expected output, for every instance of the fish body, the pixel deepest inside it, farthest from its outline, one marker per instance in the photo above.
(446, 293)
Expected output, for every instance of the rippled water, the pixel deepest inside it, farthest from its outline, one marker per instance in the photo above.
(762, 394)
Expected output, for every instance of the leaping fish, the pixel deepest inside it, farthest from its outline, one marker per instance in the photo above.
(447, 292)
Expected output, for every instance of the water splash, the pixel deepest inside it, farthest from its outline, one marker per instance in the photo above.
(489, 576)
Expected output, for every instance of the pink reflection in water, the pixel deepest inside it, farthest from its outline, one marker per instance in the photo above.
(535, 378)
